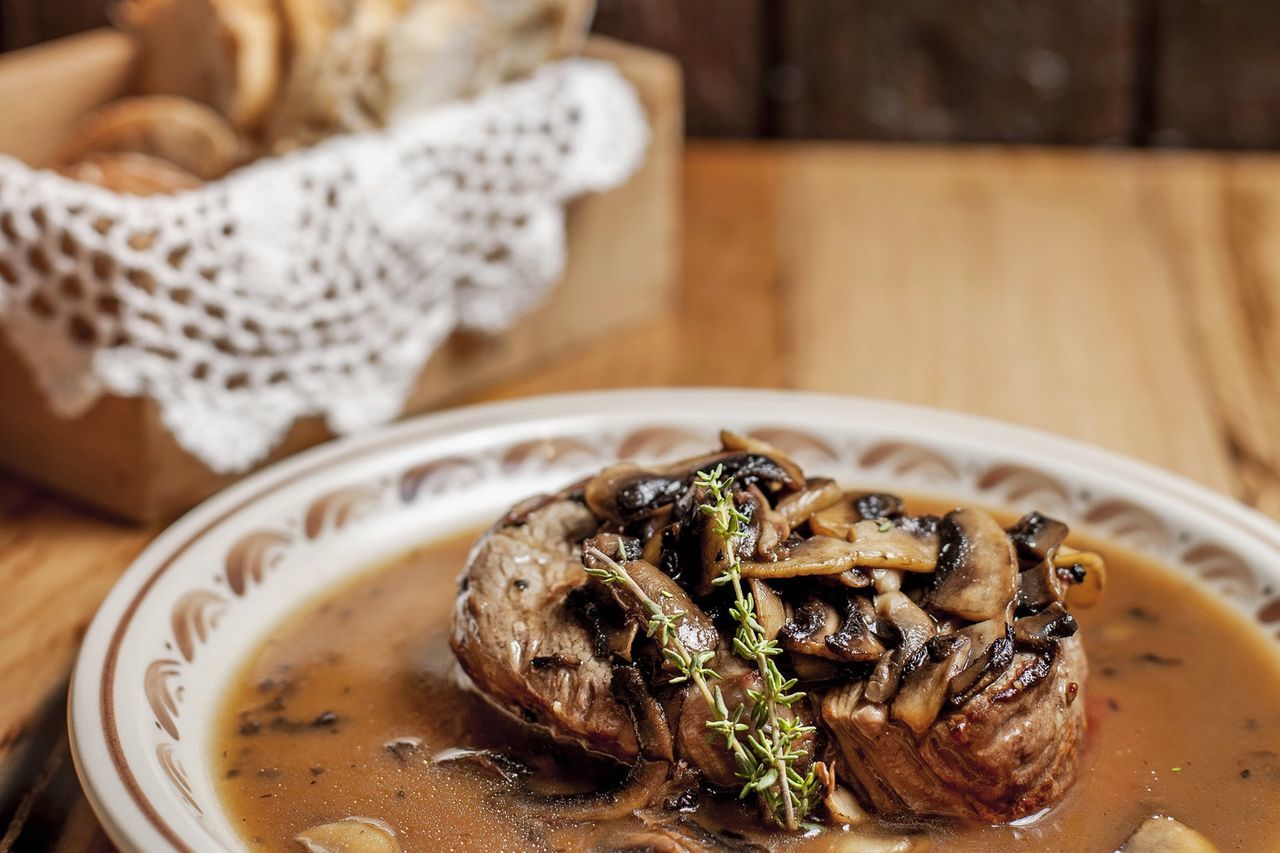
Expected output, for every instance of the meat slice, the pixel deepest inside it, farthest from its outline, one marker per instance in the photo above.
(1007, 752)
(515, 637)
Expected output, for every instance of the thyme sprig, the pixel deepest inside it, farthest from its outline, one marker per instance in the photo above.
(766, 760)
(789, 795)
(692, 665)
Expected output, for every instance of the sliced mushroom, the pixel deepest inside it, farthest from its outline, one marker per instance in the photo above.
(836, 520)
(818, 494)
(812, 622)
(887, 580)
(612, 633)
(855, 641)
(977, 570)
(1160, 834)
(913, 628)
(768, 530)
(842, 806)
(1037, 536)
(818, 555)
(986, 665)
(1088, 588)
(652, 731)
(1036, 539)
(1040, 586)
(770, 611)
(627, 492)
(349, 835)
(694, 628)
(854, 578)
(924, 689)
(652, 532)
(809, 668)
(1044, 629)
(503, 766)
(732, 441)
(890, 545)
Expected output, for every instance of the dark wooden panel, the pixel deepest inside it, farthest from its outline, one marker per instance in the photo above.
(998, 70)
(720, 44)
(27, 22)
(1218, 73)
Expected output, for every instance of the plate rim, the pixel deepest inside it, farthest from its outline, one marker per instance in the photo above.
(125, 810)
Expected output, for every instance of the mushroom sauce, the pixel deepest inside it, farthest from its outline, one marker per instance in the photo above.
(354, 708)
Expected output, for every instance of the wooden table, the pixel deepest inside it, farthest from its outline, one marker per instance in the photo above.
(1130, 300)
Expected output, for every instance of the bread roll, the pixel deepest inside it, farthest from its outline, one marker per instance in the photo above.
(362, 64)
(332, 48)
(446, 49)
(224, 53)
(187, 134)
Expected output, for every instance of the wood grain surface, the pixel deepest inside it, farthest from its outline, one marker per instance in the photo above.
(1128, 300)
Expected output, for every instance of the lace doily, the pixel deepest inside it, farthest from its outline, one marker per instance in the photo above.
(317, 283)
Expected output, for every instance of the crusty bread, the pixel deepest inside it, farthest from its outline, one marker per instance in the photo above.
(224, 53)
(445, 49)
(187, 134)
(332, 46)
(575, 24)
(131, 173)
(436, 53)
(356, 65)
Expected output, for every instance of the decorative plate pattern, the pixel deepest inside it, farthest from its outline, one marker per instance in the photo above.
(279, 523)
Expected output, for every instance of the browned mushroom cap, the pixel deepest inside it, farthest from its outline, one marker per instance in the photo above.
(1044, 629)
(836, 519)
(812, 621)
(913, 627)
(991, 650)
(1036, 539)
(693, 627)
(1037, 536)
(977, 571)
(924, 689)
(765, 534)
(856, 640)
(626, 492)
(732, 441)
(902, 544)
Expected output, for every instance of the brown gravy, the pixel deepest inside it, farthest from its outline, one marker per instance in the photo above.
(1184, 712)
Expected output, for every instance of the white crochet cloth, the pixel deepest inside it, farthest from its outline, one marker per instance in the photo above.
(316, 283)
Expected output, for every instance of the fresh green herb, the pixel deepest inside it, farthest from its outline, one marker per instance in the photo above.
(885, 525)
(766, 761)
(770, 770)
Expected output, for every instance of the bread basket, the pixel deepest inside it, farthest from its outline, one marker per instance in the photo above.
(160, 346)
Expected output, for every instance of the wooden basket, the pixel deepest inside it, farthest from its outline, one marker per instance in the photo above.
(119, 457)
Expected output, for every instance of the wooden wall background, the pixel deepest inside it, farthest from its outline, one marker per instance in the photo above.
(1123, 72)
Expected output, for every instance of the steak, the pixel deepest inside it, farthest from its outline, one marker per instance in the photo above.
(515, 637)
(1009, 751)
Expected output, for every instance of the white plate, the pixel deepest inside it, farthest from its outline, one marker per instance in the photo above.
(196, 602)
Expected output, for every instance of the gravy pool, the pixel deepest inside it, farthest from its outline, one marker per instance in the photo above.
(1183, 703)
